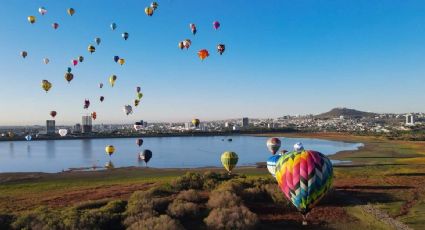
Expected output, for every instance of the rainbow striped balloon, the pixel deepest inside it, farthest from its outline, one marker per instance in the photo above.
(304, 177)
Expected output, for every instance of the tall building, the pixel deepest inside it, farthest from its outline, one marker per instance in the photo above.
(410, 119)
(76, 128)
(245, 122)
(50, 127)
(86, 124)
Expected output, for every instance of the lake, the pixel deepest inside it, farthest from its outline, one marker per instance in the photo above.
(168, 152)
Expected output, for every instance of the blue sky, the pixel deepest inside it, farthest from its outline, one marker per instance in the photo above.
(282, 57)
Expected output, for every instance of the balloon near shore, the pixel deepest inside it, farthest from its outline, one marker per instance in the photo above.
(110, 149)
(229, 160)
(273, 145)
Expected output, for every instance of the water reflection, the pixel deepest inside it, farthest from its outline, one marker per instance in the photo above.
(87, 148)
(12, 149)
(29, 150)
(51, 149)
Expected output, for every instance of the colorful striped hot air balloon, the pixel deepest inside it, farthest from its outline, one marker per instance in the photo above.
(271, 164)
(304, 177)
(273, 145)
(229, 160)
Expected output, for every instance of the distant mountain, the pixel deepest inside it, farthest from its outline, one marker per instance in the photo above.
(347, 113)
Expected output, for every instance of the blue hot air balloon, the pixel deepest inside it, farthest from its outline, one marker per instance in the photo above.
(271, 164)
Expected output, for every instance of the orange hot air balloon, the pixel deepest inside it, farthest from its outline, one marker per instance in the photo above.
(202, 54)
(94, 115)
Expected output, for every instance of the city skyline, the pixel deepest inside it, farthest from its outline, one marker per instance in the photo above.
(281, 58)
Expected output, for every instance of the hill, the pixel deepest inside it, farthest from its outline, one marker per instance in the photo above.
(347, 113)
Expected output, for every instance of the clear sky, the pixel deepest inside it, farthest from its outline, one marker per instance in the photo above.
(282, 57)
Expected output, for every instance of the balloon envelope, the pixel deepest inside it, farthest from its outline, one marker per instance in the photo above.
(202, 54)
(110, 149)
(229, 160)
(304, 177)
(28, 137)
(113, 26)
(271, 164)
(146, 155)
(216, 24)
(63, 132)
(128, 109)
(273, 145)
(139, 142)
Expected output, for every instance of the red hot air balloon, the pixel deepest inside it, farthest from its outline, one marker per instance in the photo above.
(202, 54)
(53, 114)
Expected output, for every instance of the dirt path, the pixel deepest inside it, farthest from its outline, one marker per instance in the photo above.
(384, 217)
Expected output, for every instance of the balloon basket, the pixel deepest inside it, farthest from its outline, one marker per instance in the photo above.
(305, 223)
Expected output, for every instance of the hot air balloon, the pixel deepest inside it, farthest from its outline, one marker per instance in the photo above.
(31, 19)
(271, 164)
(149, 11)
(145, 156)
(136, 102)
(71, 11)
(101, 98)
(202, 54)
(192, 28)
(63, 132)
(80, 58)
(154, 5)
(273, 145)
(46, 61)
(139, 95)
(138, 89)
(10, 134)
(139, 142)
(69, 77)
(110, 149)
(229, 160)
(121, 61)
(221, 48)
(138, 126)
(100, 85)
(42, 10)
(181, 45)
(69, 70)
(86, 104)
(97, 41)
(74, 62)
(216, 24)
(125, 35)
(28, 137)
(53, 113)
(298, 147)
(304, 177)
(113, 26)
(112, 80)
(196, 122)
(24, 54)
(94, 115)
(46, 85)
(128, 109)
(187, 43)
(91, 49)
(55, 26)
(116, 58)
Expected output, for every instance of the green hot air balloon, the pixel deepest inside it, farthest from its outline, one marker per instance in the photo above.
(229, 160)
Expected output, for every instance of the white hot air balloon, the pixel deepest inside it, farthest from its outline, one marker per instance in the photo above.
(46, 61)
(298, 147)
(128, 109)
(28, 137)
(63, 132)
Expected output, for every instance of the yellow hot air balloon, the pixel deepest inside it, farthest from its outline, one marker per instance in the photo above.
(229, 160)
(149, 11)
(112, 80)
(121, 61)
(31, 19)
(46, 85)
(71, 11)
(196, 122)
(91, 49)
(110, 149)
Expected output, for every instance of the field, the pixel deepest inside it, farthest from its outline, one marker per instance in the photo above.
(382, 188)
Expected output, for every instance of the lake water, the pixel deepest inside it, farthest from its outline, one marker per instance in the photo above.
(168, 152)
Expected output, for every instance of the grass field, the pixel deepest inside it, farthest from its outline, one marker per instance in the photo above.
(382, 187)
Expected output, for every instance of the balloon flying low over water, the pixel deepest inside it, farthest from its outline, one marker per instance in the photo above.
(97, 41)
(202, 54)
(86, 104)
(221, 48)
(53, 114)
(69, 77)
(63, 132)
(125, 35)
(116, 58)
(28, 137)
(304, 178)
(46, 61)
(31, 19)
(71, 11)
(110, 149)
(121, 61)
(91, 49)
(145, 156)
(137, 126)
(24, 54)
(113, 26)
(101, 98)
(216, 25)
(271, 164)
(273, 145)
(154, 5)
(94, 115)
(139, 142)
(42, 10)
(55, 26)
(229, 160)
(149, 11)
(128, 109)
(46, 85)
(112, 80)
(196, 122)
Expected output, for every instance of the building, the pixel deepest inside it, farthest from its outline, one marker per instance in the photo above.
(50, 127)
(410, 119)
(245, 122)
(76, 128)
(86, 124)
(188, 125)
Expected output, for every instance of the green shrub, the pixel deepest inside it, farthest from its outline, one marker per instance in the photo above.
(235, 186)
(223, 199)
(162, 222)
(237, 217)
(41, 218)
(92, 204)
(188, 181)
(183, 209)
(255, 195)
(275, 193)
(190, 195)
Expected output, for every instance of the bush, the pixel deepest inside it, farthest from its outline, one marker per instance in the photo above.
(223, 199)
(238, 217)
(276, 194)
(41, 218)
(6, 221)
(188, 181)
(190, 195)
(255, 195)
(235, 186)
(93, 204)
(162, 222)
(182, 209)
